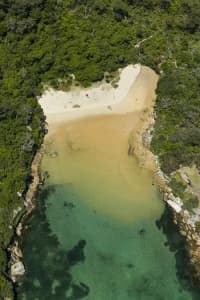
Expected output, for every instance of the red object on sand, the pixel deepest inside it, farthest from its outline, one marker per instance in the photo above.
(86, 95)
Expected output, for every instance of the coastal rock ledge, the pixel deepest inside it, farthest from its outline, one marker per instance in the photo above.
(187, 228)
(16, 265)
(187, 222)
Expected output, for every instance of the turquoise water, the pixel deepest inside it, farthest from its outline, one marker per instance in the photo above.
(94, 234)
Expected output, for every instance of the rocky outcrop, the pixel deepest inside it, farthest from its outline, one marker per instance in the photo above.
(17, 268)
(185, 221)
(19, 229)
(35, 174)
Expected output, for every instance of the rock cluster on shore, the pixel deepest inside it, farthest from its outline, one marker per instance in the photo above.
(184, 220)
(17, 268)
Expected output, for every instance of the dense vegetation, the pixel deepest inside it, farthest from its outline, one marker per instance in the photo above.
(44, 41)
(179, 187)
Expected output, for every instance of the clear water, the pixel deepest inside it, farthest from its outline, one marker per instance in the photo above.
(94, 234)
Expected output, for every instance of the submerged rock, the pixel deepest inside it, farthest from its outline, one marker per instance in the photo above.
(142, 231)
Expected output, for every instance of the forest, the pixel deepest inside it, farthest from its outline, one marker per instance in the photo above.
(43, 42)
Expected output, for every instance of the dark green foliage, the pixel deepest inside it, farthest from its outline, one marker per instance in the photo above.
(191, 203)
(120, 9)
(177, 133)
(100, 6)
(44, 41)
(177, 186)
(197, 224)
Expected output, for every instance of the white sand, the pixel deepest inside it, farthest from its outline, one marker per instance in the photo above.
(98, 99)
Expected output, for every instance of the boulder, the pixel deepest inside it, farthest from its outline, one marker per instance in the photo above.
(174, 205)
(19, 194)
(183, 233)
(16, 251)
(17, 269)
(16, 211)
(19, 229)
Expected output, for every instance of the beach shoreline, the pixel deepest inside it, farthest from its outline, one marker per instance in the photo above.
(136, 95)
(99, 99)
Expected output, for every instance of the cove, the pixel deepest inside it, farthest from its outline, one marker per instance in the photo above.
(93, 235)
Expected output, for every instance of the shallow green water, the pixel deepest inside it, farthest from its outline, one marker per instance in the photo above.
(94, 234)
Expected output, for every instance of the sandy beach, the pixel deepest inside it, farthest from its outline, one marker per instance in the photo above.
(134, 95)
(100, 98)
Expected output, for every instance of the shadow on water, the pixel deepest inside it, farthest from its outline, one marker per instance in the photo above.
(57, 283)
(53, 279)
(176, 244)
